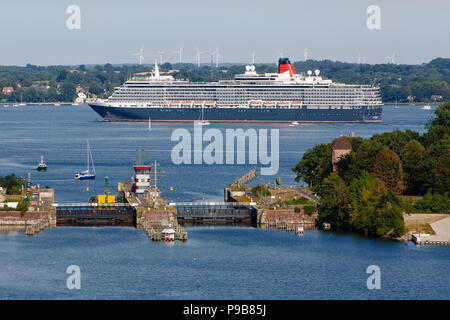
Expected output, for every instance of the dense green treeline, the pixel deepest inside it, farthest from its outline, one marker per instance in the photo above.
(12, 183)
(399, 83)
(362, 195)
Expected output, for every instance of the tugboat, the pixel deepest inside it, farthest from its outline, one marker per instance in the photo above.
(42, 166)
(87, 174)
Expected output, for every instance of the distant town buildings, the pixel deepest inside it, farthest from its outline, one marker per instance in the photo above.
(340, 149)
(81, 98)
(7, 90)
(436, 97)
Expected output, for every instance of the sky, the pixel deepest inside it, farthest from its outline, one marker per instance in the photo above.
(110, 31)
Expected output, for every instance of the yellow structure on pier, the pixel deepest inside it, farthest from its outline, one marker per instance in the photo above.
(103, 198)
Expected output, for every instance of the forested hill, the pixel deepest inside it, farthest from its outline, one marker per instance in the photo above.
(398, 82)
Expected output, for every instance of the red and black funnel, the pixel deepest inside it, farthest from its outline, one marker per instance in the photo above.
(285, 65)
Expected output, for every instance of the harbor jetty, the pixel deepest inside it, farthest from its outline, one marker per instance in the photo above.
(156, 218)
(276, 207)
(39, 216)
(31, 222)
(241, 181)
(287, 220)
(441, 229)
(160, 225)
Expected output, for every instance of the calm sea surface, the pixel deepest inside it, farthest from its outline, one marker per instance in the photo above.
(216, 262)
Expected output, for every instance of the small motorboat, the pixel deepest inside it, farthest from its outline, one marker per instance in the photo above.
(42, 166)
(426, 107)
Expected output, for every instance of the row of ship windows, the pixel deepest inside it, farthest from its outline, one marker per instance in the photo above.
(248, 97)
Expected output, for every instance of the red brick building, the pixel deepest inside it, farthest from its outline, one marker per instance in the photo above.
(340, 149)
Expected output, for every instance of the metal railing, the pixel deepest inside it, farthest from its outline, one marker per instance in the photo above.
(91, 205)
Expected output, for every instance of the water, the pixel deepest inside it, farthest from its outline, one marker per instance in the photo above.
(216, 263)
(60, 133)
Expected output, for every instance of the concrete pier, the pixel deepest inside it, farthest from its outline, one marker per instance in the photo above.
(288, 220)
(442, 237)
(156, 224)
(30, 222)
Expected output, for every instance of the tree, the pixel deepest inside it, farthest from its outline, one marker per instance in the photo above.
(260, 191)
(442, 174)
(439, 127)
(412, 157)
(67, 91)
(12, 183)
(388, 169)
(442, 116)
(314, 166)
(365, 155)
(22, 206)
(389, 220)
(62, 75)
(334, 205)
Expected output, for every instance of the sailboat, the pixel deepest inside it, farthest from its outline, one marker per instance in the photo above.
(21, 100)
(203, 122)
(85, 175)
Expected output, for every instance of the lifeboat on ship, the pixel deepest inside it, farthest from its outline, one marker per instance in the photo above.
(283, 104)
(296, 104)
(270, 104)
(255, 103)
(174, 103)
(186, 103)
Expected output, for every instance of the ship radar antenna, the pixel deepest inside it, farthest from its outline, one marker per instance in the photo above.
(198, 56)
(140, 54)
(253, 57)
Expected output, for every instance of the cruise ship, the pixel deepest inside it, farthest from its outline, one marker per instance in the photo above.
(284, 97)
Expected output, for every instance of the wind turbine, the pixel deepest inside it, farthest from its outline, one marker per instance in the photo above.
(161, 57)
(179, 51)
(217, 57)
(198, 57)
(391, 58)
(253, 57)
(140, 54)
(305, 54)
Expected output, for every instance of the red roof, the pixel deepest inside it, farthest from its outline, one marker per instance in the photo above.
(342, 144)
